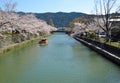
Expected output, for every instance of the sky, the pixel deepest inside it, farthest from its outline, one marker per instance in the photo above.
(42, 6)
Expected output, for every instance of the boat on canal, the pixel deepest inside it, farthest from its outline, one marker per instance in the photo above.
(43, 41)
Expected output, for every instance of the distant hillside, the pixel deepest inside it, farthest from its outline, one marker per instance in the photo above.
(60, 19)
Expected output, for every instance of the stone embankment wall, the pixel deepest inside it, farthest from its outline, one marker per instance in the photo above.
(109, 52)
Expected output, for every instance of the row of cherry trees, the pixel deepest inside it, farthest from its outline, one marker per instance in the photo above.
(18, 28)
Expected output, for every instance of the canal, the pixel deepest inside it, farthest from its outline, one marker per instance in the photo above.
(63, 60)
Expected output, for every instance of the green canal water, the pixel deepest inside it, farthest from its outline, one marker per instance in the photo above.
(63, 60)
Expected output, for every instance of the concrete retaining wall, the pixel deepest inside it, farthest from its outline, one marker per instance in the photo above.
(114, 58)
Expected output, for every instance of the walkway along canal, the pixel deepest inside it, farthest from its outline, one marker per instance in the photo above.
(63, 60)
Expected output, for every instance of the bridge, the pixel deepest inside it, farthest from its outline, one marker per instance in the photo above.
(61, 30)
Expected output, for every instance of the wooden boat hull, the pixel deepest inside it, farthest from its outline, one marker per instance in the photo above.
(43, 42)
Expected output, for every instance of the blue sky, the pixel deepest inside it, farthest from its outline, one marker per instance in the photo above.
(41, 6)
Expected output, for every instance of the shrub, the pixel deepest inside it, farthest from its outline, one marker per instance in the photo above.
(91, 34)
(115, 34)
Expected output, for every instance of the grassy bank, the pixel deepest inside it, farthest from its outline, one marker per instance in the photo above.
(115, 44)
(19, 45)
(102, 40)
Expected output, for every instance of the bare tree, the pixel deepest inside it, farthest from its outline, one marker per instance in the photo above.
(104, 10)
(10, 6)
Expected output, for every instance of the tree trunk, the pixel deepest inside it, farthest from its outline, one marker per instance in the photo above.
(108, 36)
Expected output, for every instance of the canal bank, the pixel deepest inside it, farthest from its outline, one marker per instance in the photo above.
(114, 58)
(18, 45)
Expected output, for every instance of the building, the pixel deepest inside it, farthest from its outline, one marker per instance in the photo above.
(115, 21)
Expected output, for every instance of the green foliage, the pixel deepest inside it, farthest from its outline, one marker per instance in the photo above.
(6, 33)
(91, 34)
(115, 33)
